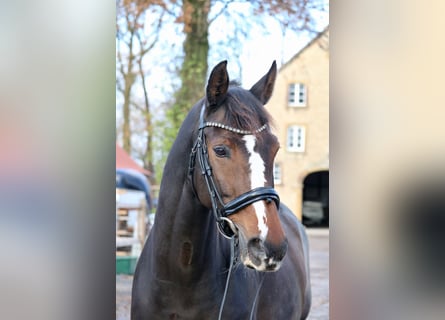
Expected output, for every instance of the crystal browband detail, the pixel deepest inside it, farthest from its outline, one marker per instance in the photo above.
(235, 130)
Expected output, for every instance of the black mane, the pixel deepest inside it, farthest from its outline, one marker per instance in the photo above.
(243, 110)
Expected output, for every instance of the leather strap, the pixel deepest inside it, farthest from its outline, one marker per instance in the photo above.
(257, 194)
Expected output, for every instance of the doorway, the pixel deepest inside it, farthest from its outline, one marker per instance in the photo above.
(316, 199)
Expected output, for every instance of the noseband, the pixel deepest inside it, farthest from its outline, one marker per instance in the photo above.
(220, 209)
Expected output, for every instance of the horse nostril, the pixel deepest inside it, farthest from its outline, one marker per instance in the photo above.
(260, 250)
(279, 255)
(276, 251)
(255, 246)
(281, 252)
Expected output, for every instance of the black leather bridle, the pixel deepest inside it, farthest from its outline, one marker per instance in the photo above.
(220, 209)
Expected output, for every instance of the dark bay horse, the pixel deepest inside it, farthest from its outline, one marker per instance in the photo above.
(222, 245)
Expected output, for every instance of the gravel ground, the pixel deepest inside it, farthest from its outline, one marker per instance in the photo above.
(319, 255)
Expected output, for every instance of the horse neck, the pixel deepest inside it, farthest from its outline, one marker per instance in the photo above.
(184, 234)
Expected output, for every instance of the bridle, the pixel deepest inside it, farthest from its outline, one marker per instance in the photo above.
(220, 209)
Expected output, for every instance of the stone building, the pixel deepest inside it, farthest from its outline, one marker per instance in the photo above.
(300, 108)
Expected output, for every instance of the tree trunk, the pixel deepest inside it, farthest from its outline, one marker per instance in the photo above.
(194, 67)
(129, 79)
(148, 154)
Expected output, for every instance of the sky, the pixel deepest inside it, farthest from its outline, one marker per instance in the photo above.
(263, 47)
(262, 50)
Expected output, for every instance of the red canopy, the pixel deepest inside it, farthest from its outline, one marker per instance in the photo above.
(124, 161)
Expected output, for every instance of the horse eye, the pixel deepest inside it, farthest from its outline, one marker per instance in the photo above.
(220, 151)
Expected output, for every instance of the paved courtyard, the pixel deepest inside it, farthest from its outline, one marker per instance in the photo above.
(319, 259)
(319, 255)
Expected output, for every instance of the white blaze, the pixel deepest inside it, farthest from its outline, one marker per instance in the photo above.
(257, 179)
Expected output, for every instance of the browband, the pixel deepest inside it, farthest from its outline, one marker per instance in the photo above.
(229, 128)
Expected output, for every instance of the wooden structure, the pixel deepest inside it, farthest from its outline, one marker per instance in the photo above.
(131, 222)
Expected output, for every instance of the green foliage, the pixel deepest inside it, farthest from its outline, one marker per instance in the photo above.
(193, 70)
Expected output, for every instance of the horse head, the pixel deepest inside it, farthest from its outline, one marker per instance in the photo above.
(239, 151)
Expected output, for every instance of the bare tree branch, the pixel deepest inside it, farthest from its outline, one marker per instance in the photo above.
(223, 9)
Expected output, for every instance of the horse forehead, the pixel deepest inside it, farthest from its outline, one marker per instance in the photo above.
(261, 144)
(258, 146)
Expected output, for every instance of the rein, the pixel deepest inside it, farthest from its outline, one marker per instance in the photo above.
(220, 209)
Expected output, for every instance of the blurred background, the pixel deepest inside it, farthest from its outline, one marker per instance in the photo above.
(59, 89)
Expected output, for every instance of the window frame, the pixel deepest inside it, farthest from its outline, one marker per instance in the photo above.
(294, 92)
(293, 147)
(277, 178)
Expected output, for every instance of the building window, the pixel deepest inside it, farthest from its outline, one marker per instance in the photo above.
(297, 95)
(276, 173)
(296, 138)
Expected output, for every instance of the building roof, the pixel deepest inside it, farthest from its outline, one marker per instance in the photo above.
(124, 161)
(316, 38)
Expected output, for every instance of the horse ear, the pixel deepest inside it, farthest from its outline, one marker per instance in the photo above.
(263, 89)
(218, 84)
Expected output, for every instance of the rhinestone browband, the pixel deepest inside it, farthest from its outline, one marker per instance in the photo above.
(235, 130)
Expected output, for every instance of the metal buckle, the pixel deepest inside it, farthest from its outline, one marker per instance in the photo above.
(232, 227)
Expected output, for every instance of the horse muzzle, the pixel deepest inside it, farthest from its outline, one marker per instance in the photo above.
(263, 255)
